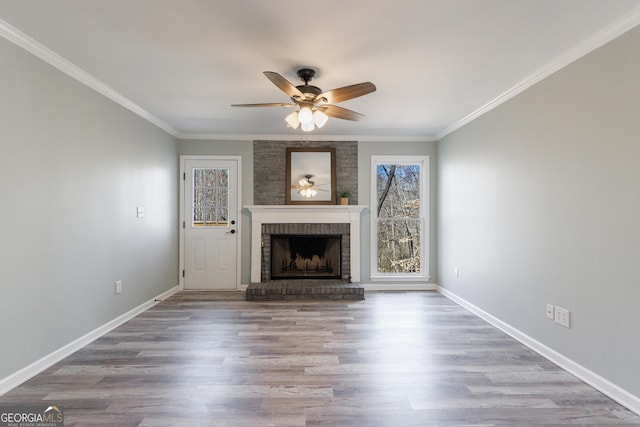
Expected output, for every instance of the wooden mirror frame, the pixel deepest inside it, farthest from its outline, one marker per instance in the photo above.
(323, 169)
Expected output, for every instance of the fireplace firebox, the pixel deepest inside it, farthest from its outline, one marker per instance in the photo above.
(306, 256)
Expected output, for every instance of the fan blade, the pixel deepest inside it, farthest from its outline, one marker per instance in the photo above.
(267, 104)
(284, 84)
(348, 92)
(340, 113)
(300, 187)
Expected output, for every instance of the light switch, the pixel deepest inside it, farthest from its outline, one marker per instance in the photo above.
(140, 212)
(551, 310)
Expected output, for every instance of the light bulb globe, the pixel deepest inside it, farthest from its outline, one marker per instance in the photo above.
(305, 115)
(292, 120)
(320, 118)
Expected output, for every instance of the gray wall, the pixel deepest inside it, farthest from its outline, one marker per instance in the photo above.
(539, 203)
(365, 151)
(74, 167)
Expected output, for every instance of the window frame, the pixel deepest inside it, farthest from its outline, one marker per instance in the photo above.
(423, 163)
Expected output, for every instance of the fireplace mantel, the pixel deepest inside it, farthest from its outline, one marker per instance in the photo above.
(283, 214)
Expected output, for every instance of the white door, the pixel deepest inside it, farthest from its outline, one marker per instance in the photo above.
(210, 224)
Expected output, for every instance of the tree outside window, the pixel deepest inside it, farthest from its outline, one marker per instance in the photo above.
(400, 213)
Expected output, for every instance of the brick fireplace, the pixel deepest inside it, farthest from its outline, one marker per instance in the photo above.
(306, 221)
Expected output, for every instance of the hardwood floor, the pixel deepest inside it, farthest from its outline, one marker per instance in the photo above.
(395, 359)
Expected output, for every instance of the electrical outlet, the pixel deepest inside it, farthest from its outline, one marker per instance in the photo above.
(118, 286)
(550, 312)
(563, 317)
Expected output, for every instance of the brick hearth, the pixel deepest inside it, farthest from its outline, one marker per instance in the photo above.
(276, 290)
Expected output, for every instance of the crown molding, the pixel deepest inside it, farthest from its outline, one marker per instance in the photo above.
(608, 33)
(306, 137)
(27, 43)
(20, 39)
(600, 38)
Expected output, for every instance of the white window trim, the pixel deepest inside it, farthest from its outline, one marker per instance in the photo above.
(423, 162)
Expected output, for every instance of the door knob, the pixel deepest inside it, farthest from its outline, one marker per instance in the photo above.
(233, 232)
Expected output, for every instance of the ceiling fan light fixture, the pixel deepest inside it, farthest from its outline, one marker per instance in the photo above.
(292, 120)
(320, 118)
(308, 192)
(312, 102)
(305, 116)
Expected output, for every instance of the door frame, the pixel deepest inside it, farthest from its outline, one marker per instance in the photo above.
(182, 219)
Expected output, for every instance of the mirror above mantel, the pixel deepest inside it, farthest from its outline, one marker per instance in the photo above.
(311, 176)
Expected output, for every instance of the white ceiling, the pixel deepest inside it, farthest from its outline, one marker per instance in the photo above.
(436, 63)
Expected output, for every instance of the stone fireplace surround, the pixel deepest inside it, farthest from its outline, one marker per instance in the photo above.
(306, 219)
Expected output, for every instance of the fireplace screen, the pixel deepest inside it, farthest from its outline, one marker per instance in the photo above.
(306, 256)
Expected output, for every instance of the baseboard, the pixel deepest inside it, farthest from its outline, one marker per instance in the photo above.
(620, 395)
(389, 287)
(24, 374)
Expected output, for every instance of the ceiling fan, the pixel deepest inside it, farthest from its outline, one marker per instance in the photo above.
(315, 106)
(306, 187)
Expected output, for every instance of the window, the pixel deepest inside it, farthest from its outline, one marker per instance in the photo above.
(399, 217)
(210, 197)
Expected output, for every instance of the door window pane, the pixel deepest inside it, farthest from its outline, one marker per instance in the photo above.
(210, 197)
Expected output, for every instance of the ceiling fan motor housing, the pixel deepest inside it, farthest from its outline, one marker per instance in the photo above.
(310, 91)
